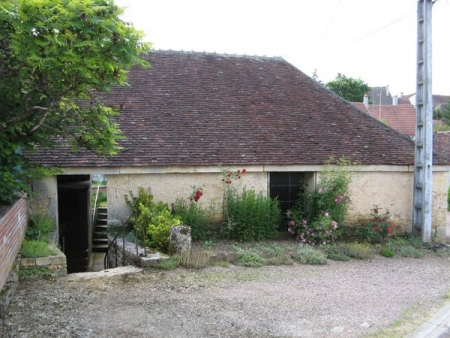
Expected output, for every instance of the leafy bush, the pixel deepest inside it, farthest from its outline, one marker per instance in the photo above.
(377, 228)
(102, 198)
(33, 249)
(39, 226)
(409, 251)
(306, 254)
(254, 216)
(168, 264)
(154, 218)
(317, 217)
(336, 255)
(201, 220)
(251, 260)
(387, 252)
(359, 251)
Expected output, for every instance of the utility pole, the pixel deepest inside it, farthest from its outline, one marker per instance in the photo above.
(423, 153)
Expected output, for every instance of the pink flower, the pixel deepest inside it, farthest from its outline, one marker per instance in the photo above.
(320, 190)
(334, 224)
(292, 223)
(338, 199)
(327, 214)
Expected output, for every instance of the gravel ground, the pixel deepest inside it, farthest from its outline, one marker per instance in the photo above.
(386, 297)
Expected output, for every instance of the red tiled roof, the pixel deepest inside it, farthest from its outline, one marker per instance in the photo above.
(441, 143)
(194, 109)
(400, 117)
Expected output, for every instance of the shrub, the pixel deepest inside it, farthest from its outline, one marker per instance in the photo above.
(409, 251)
(37, 271)
(250, 259)
(306, 254)
(39, 226)
(201, 220)
(377, 228)
(155, 218)
(336, 255)
(387, 252)
(34, 249)
(255, 217)
(168, 264)
(317, 217)
(359, 251)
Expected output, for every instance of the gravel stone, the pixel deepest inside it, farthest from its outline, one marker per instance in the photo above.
(339, 299)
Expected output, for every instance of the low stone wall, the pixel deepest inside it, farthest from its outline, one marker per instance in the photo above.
(57, 264)
(13, 226)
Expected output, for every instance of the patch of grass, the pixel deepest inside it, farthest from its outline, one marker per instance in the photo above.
(38, 272)
(409, 251)
(251, 260)
(280, 259)
(33, 249)
(387, 252)
(194, 259)
(359, 251)
(336, 255)
(222, 264)
(168, 264)
(308, 255)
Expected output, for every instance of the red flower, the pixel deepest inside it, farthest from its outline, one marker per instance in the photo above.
(229, 174)
(390, 230)
(244, 171)
(375, 228)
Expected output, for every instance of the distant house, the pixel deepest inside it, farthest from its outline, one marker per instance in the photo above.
(401, 117)
(438, 100)
(194, 114)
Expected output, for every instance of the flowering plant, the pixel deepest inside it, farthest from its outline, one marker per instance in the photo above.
(377, 228)
(229, 175)
(323, 230)
(197, 192)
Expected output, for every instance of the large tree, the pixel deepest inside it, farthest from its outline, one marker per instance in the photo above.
(55, 56)
(350, 89)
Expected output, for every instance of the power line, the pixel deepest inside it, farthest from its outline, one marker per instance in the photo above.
(379, 29)
(329, 22)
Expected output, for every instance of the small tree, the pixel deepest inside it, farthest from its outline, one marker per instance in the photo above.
(350, 89)
(55, 56)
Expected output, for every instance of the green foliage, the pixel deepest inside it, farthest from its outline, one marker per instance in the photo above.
(33, 249)
(56, 55)
(254, 216)
(409, 251)
(444, 113)
(318, 216)
(154, 218)
(306, 254)
(359, 251)
(350, 89)
(448, 199)
(377, 228)
(336, 255)
(201, 220)
(387, 252)
(169, 263)
(39, 226)
(37, 272)
(102, 198)
(250, 260)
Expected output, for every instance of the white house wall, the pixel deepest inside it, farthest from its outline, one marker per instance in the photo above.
(387, 186)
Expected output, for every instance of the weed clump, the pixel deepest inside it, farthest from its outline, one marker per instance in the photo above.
(307, 255)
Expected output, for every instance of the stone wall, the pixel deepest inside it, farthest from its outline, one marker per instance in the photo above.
(13, 226)
(57, 264)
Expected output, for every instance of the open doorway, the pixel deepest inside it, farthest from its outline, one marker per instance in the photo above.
(75, 231)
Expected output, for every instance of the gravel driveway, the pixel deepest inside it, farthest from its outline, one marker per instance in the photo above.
(390, 297)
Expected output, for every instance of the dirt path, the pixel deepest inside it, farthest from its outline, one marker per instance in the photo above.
(340, 299)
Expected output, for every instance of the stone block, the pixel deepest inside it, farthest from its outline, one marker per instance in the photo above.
(180, 239)
(28, 262)
(43, 261)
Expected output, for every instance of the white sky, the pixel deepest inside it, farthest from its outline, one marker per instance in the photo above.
(374, 40)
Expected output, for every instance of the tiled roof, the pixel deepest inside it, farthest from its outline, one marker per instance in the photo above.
(441, 143)
(380, 95)
(400, 117)
(194, 109)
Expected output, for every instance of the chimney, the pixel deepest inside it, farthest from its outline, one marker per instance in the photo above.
(366, 100)
(395, 100)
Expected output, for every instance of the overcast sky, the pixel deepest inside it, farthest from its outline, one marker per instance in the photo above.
(374, 40)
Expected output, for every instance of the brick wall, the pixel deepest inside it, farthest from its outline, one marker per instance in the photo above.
(13, 226)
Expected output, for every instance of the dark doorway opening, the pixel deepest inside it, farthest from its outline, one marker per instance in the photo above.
(286, 186)
(73, 219)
